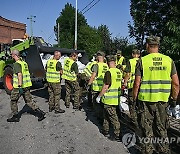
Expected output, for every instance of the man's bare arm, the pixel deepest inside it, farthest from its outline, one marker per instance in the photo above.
(61, 72)
(20, 79)
(104, 89)
(175, 86)
(93, 76)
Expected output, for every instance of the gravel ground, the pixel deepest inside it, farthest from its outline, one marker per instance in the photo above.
(74, 132)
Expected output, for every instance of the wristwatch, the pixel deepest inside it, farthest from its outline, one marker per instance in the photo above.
(19, 86)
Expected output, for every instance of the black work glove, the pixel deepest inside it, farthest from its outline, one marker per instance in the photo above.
(172, 103)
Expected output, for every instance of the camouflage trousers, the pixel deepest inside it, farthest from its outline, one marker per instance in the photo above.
(110, 116)
(98, 107)
(154, 123)
(72, 87)
(54, 90)
(132, 108)
(27, 98)
(89, 92)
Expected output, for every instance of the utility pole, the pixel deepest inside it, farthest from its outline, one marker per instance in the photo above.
(75, 43)
(31, 22)
(58, 37)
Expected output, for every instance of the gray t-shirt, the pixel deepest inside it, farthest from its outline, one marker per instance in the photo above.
(95, 68)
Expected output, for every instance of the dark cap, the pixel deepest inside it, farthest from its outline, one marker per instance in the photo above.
(136, 51)
(153, 40)
(94, 55)
(111, 58)
(119, 52)
(100, 53)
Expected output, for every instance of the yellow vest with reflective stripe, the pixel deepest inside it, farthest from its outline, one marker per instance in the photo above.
(52, 75)
(132, 73)
(67, 73)
(120, 61)
(156, 80)
(87, 69)
(26, 79)
(112, 96)
(98, 82)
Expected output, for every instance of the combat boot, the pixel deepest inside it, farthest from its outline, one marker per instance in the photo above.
(77, 108)
(115, 138)
(40, 114)
(105, 133)
(14, 118)
(59, 111)
(51, 109)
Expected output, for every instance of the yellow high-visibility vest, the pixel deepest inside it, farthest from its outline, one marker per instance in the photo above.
(156, 79)
(112, 96)
(133, 62)
(52, 75)
(87, 69)
(98, 82)
(120, 60)
(26, 79)
(67, 73)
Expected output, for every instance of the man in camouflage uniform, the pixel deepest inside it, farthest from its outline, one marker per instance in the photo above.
(87, 72)
(129, 81)
(120, 60)
(70, 73)
(110, 95)
(53, 73)
(155, 77)
(21, 86)
(96, 82)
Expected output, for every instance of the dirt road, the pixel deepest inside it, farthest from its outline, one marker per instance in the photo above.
(74, 132)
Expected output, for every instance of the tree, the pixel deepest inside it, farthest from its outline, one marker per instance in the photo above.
(119, 43)
(138, 11)
(105, 35)
(89, 40)
(88, 37)
(66, 22)
(171, 41)
(156, 17)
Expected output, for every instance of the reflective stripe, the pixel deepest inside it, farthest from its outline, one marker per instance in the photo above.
(96, 84)
(110, 97)
(53, 77)
(24, 76)
(68, 75)
(155, 90)
(26, 80)
(156, 82)
(88, 67)
(113, 90)
(56, 73)
(87, 70)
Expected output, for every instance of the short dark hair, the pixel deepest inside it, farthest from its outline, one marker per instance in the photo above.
(136, 51)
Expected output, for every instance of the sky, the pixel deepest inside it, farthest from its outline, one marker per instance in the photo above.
(113, 13)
